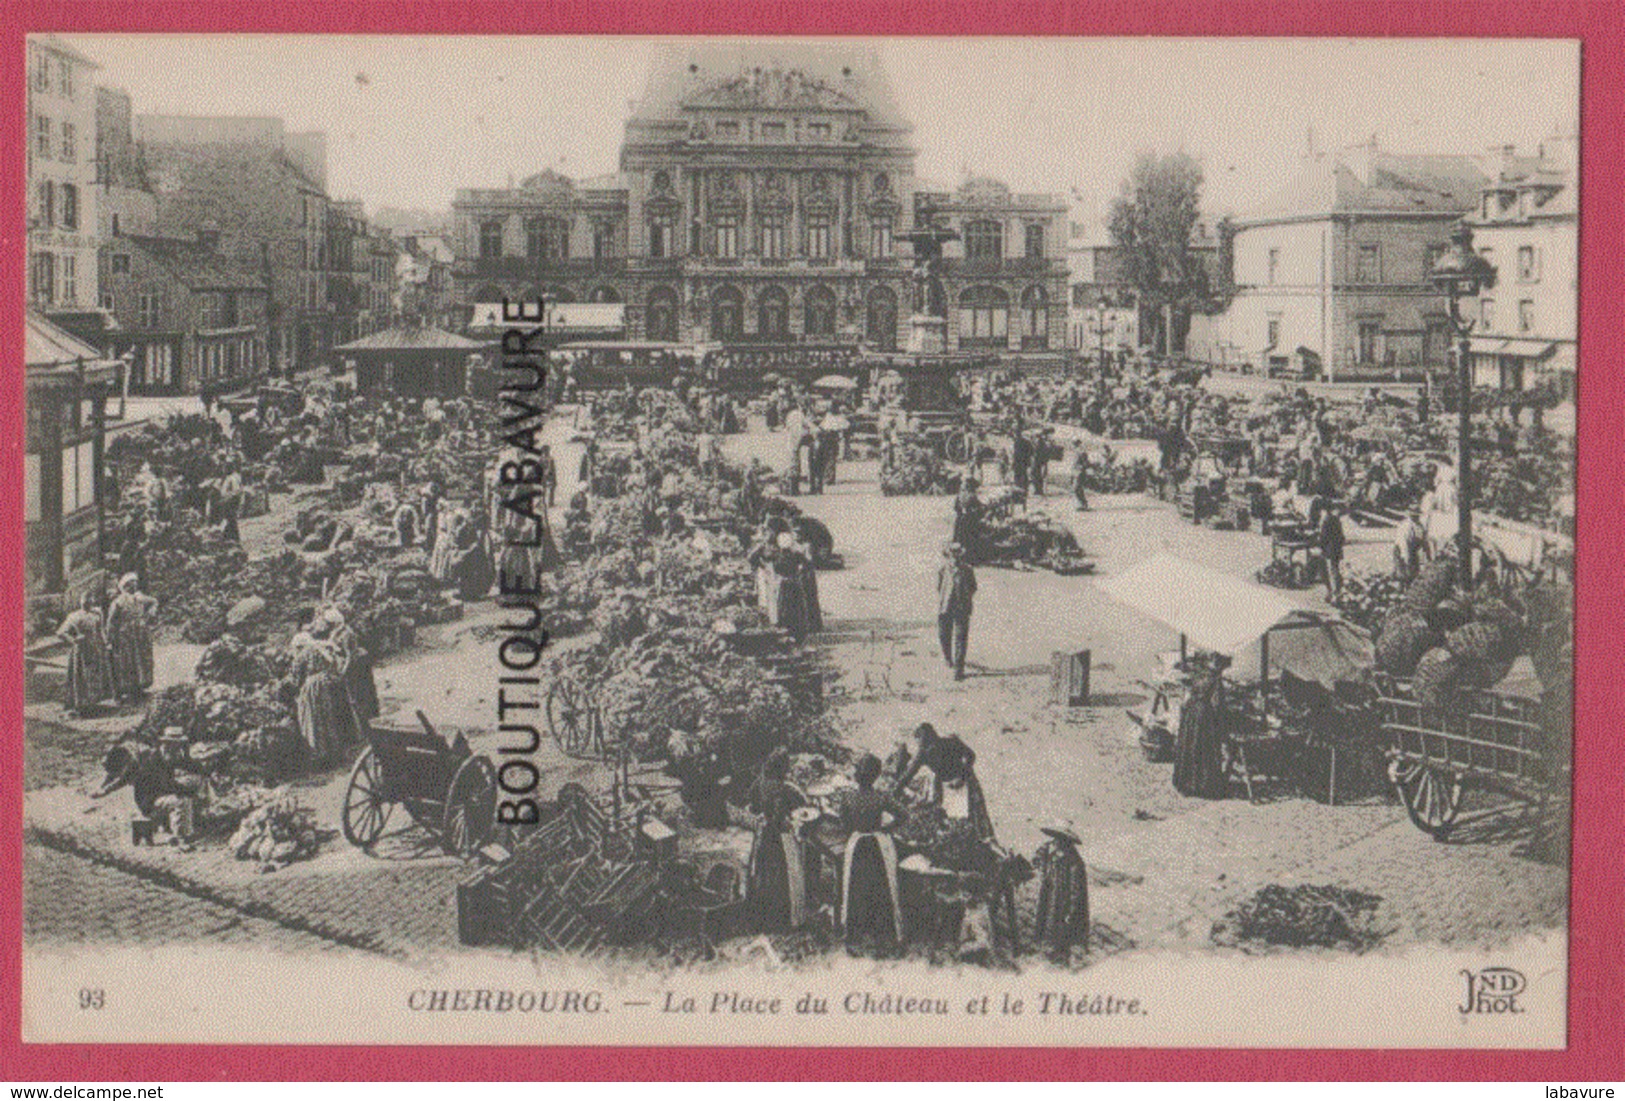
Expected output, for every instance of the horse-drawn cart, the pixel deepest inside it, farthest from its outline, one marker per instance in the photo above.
(1487, 741)
(443, 787)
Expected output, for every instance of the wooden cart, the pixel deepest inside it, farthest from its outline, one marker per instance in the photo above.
(1488, 741)
(443, 787)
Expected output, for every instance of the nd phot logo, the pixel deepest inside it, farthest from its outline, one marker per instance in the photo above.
(1493, 990)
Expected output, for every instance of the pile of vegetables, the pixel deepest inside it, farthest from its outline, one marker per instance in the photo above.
(949, 843)
(1117, 477)
(1367, 599)
(258, 723)
(276, 833)
(1031, 540)
(916, 470)
(1301, 917)
(1445, 640)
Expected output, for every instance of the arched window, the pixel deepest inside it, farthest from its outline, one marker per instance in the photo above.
(820, 312)
(773, 314)
(773, 236)
(820, 237)
(661, 241)
(604, 294)
(727, 313)
(1034, 318)
(547, 238)
(662, 180)
(984, 318)
(726, 230)
(491, 240)
(880, 320)
(984, 240)
(660, 322)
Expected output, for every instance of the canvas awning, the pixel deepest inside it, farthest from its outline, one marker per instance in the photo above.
(1500, 346)
(1259, 628)
(1214, 610)
(561, 317)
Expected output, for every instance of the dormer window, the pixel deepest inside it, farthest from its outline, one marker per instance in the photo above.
(772, 131)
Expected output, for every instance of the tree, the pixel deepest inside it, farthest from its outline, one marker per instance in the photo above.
(1151, 223)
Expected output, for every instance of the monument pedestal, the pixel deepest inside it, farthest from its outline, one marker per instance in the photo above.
(927, 335)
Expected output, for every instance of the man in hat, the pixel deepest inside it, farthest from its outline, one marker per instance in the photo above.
(1332, 539)
(1080, 477)
(956, 592)
(1062, 920)
(549, 474)
(968, 513)
(179, 807)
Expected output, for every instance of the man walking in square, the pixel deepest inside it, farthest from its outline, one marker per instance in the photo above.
(956, 590)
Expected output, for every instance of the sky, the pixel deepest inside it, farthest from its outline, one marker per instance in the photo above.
(410, 120)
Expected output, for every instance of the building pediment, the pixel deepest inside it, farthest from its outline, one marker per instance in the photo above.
(772, 88)
(548, 184)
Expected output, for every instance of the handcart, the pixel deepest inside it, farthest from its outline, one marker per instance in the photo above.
(443, 786)
(1488, 740)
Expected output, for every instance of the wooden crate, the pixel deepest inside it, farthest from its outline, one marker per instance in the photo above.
(1069, 678)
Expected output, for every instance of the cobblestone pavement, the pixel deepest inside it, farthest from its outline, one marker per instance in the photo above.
(1164, 866)
(70, 901)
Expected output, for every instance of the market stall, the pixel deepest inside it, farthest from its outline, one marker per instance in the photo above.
(1289, 662)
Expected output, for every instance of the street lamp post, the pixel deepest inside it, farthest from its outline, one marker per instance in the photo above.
(1461, 273)
(1100, 336)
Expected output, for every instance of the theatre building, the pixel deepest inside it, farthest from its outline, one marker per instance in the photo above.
(762, 193)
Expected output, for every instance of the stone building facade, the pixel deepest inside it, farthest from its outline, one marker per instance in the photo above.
(61, 168)
(1527, 226)
(265, 190)
(1334, 269)
(761, 201)
(189, 319)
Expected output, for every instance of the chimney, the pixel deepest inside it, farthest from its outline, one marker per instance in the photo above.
(1560, 152)
(1498, 161)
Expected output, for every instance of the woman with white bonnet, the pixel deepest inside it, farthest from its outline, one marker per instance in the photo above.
(129, 639)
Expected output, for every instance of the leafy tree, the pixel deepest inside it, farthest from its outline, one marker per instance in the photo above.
(1151, 223)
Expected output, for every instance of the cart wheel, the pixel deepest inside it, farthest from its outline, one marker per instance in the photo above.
(956, 447)
(573, 719)
(1432, 798)
(366, 808)
(471, 808)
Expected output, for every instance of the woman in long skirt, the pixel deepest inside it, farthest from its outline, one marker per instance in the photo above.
(356, 660)
(129, 639)
(871, 911)
(1199, 746)
(327, 720)
(776, 883)
(90, 674)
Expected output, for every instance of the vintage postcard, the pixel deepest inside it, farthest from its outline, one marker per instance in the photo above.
(745, 541)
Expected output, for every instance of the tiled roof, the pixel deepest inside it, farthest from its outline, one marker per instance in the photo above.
(401, 338)
(1394, 182)
(194, 264)
(46, 345)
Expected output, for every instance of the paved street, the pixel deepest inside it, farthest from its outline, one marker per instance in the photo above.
(1164, 866)
(69, 900)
